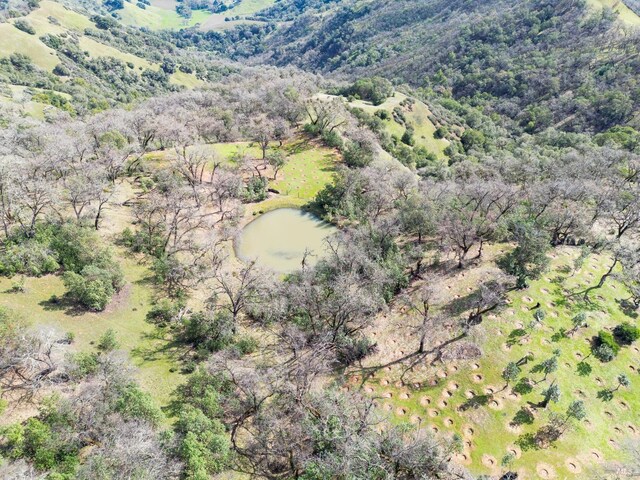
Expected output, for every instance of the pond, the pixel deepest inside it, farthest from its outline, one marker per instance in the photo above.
(278, 239)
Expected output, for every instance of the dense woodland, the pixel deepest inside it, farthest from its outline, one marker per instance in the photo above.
(538, 103)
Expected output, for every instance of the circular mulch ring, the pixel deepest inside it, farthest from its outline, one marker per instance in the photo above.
(453, 386)
(490, 390)
(415, 419)
(573, 466)
(384, 382)
(633, 430)
(515, 451)
(387, 395)
(446, 394)
(434, 429)
(475, 366)
(453, 368)
(545, 291)
(545, 470)
(387, 407)
(424, 401)
(596, 456)
(401, 411)
(399, 384)
(442, 374)
(443, 404)
(433, 412)
(462, 458)
(511, 312)
(404, 396)
(448, 422)
(578, 355)
(624, 405)
(496, 404)
(469, 394)
(613, 443)
(468, 431)
(477, 378)
(489, 461)
(527, 299)
(368, 390)
(512, 427)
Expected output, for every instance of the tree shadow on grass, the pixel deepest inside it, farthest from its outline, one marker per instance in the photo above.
(605, 395)
(522, 417)
(475, 402)
(523, 387)
(559, 335)
(63, 304)
(527, 441)
(628, 308)
(160, 347)
(584, 369)
(515, 336)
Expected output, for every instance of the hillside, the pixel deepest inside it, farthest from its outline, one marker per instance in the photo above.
(509, 57)
(84, 65)
(162, 14)
(319, 239)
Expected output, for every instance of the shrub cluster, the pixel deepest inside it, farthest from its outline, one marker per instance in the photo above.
(607, 345)
(90, 273)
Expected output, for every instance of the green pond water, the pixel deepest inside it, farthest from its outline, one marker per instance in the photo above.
(278, 239)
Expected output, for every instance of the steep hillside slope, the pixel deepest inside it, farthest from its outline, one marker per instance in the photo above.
(87, 63)
(541, 63)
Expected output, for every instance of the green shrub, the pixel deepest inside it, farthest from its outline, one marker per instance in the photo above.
(255, 190)
(441, 132)
(382, 114)
(332, 139)
(164, 312)
(24, 26)
(92, 288)
(211, 331)
(626, 334)
(108, 341)
(356, 156)
(407, 137)
(133, 403)
(246, 345)
(606, 347)
(29, 258)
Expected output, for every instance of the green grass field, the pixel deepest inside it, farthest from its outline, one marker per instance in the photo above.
(72, 22)
(125, 314)
(162, 15)
(308, 170)
(626, 14)
(442, 399)
(17, 41)
(158, 18)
